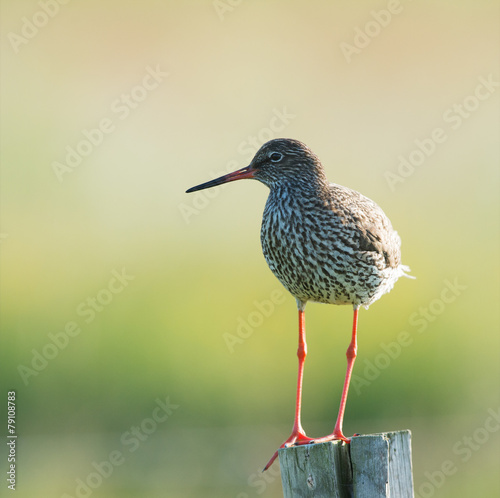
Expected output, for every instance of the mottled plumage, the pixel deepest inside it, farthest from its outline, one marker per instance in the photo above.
(324, 242)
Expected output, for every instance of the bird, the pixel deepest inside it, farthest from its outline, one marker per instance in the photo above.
(325, 243)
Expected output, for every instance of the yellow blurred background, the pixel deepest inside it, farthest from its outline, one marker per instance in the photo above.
(151, 349)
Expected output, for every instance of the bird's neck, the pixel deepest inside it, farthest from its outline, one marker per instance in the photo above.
(306, 187)
(297, 195)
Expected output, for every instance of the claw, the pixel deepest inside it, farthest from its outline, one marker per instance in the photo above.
(297, 437)
(273, 458)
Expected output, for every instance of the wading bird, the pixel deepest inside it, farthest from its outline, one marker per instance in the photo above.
(324, 242)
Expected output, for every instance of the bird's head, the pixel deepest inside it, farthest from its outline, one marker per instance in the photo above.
(279, 161)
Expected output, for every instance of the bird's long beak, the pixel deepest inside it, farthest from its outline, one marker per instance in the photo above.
(247, 172)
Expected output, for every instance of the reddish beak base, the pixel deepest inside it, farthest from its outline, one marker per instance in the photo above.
(241, 174)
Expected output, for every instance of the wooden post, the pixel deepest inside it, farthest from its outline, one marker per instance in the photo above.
(374, 466)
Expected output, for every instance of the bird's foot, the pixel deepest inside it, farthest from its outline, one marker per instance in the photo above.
(334, 436)
(297, 437)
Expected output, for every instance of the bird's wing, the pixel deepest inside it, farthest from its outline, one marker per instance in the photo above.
(369, 228)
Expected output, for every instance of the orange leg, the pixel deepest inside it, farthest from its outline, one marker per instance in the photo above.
(351, 356)
(298, 435)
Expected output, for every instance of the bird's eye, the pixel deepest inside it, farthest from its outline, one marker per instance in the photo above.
(276, 157)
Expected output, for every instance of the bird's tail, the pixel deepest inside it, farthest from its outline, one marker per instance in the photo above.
(403, 269)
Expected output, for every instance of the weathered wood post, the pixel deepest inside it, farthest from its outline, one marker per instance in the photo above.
(371, 466)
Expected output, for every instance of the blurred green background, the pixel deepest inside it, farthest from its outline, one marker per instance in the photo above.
(185, 91)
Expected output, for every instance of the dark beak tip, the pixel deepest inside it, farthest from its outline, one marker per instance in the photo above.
(198, 187)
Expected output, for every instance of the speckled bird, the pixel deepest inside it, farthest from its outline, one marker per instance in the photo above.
(325, 243)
